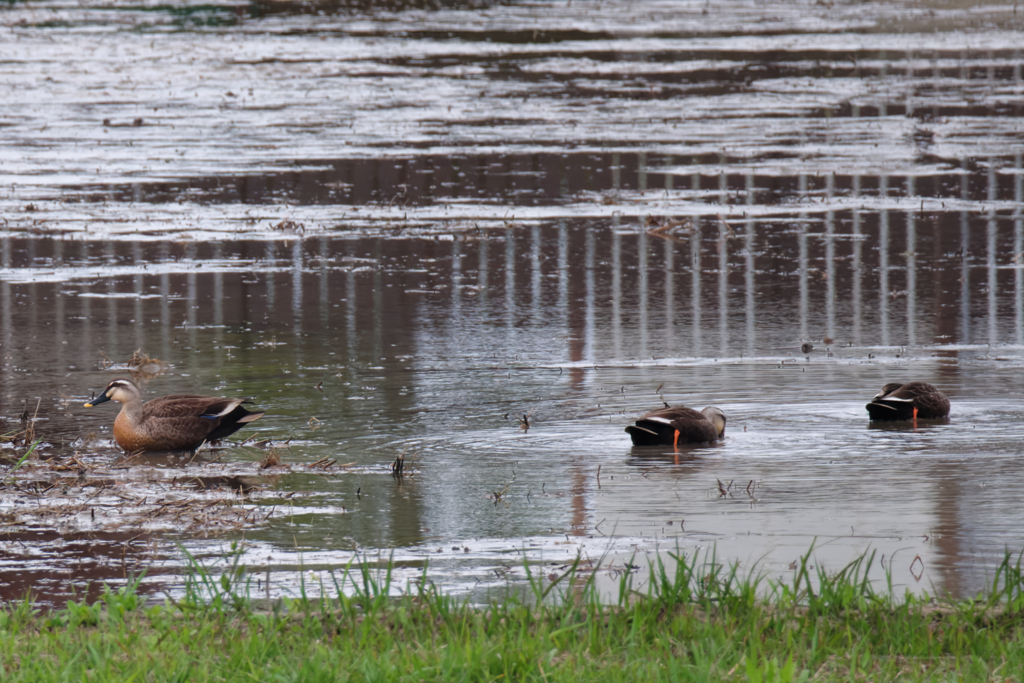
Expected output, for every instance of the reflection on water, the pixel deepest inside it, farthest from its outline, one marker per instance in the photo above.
(427, 227)
(546, 179)
(360, 349)
(775, 285)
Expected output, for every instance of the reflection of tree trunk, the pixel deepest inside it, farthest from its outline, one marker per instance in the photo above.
(946, 534)
(579, 470)
(577, 305)
(947, 284)
(576, 317)
(946, 494)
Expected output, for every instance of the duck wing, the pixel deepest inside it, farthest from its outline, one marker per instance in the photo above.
(929, 401)
(670, 414)
(185, 405)
(182, 421)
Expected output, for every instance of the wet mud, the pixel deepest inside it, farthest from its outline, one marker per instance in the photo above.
(481, 239)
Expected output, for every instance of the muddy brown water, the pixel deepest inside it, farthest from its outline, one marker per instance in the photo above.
(402, 228)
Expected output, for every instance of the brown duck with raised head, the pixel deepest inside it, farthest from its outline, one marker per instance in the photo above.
(179, 422)
(672, 426)
(908, 401)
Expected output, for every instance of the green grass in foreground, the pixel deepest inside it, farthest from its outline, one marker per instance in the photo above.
(700, 622)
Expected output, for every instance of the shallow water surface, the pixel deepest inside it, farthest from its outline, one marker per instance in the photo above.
(412, 232)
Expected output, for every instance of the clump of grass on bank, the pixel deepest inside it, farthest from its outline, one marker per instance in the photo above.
(698, 621)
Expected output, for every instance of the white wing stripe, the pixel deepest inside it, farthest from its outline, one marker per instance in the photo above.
(231, 406)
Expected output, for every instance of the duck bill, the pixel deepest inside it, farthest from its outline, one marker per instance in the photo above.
(102, 398)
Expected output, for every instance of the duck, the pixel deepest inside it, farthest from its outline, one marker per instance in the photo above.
(671, 426)
(908, 401)
(179, 422)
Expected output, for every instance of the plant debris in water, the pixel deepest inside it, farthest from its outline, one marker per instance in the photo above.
(74, 494)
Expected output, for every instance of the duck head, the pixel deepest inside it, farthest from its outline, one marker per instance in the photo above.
(120, 390)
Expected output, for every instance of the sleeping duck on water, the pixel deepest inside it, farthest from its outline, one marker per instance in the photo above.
(908, 401)
(670, 426)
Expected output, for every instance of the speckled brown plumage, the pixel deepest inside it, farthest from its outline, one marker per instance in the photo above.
(179, 422)
(673, 426)
(913, 400)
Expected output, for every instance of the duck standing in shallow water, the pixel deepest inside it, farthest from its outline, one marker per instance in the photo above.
(179, 422)
(672, 426)
(908, 401)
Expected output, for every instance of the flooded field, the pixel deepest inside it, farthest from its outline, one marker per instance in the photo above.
(485, 237)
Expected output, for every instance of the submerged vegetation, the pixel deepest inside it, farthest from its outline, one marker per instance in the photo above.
(698, 620)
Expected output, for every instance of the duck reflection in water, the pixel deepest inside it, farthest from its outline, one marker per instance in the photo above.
(683, 454)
